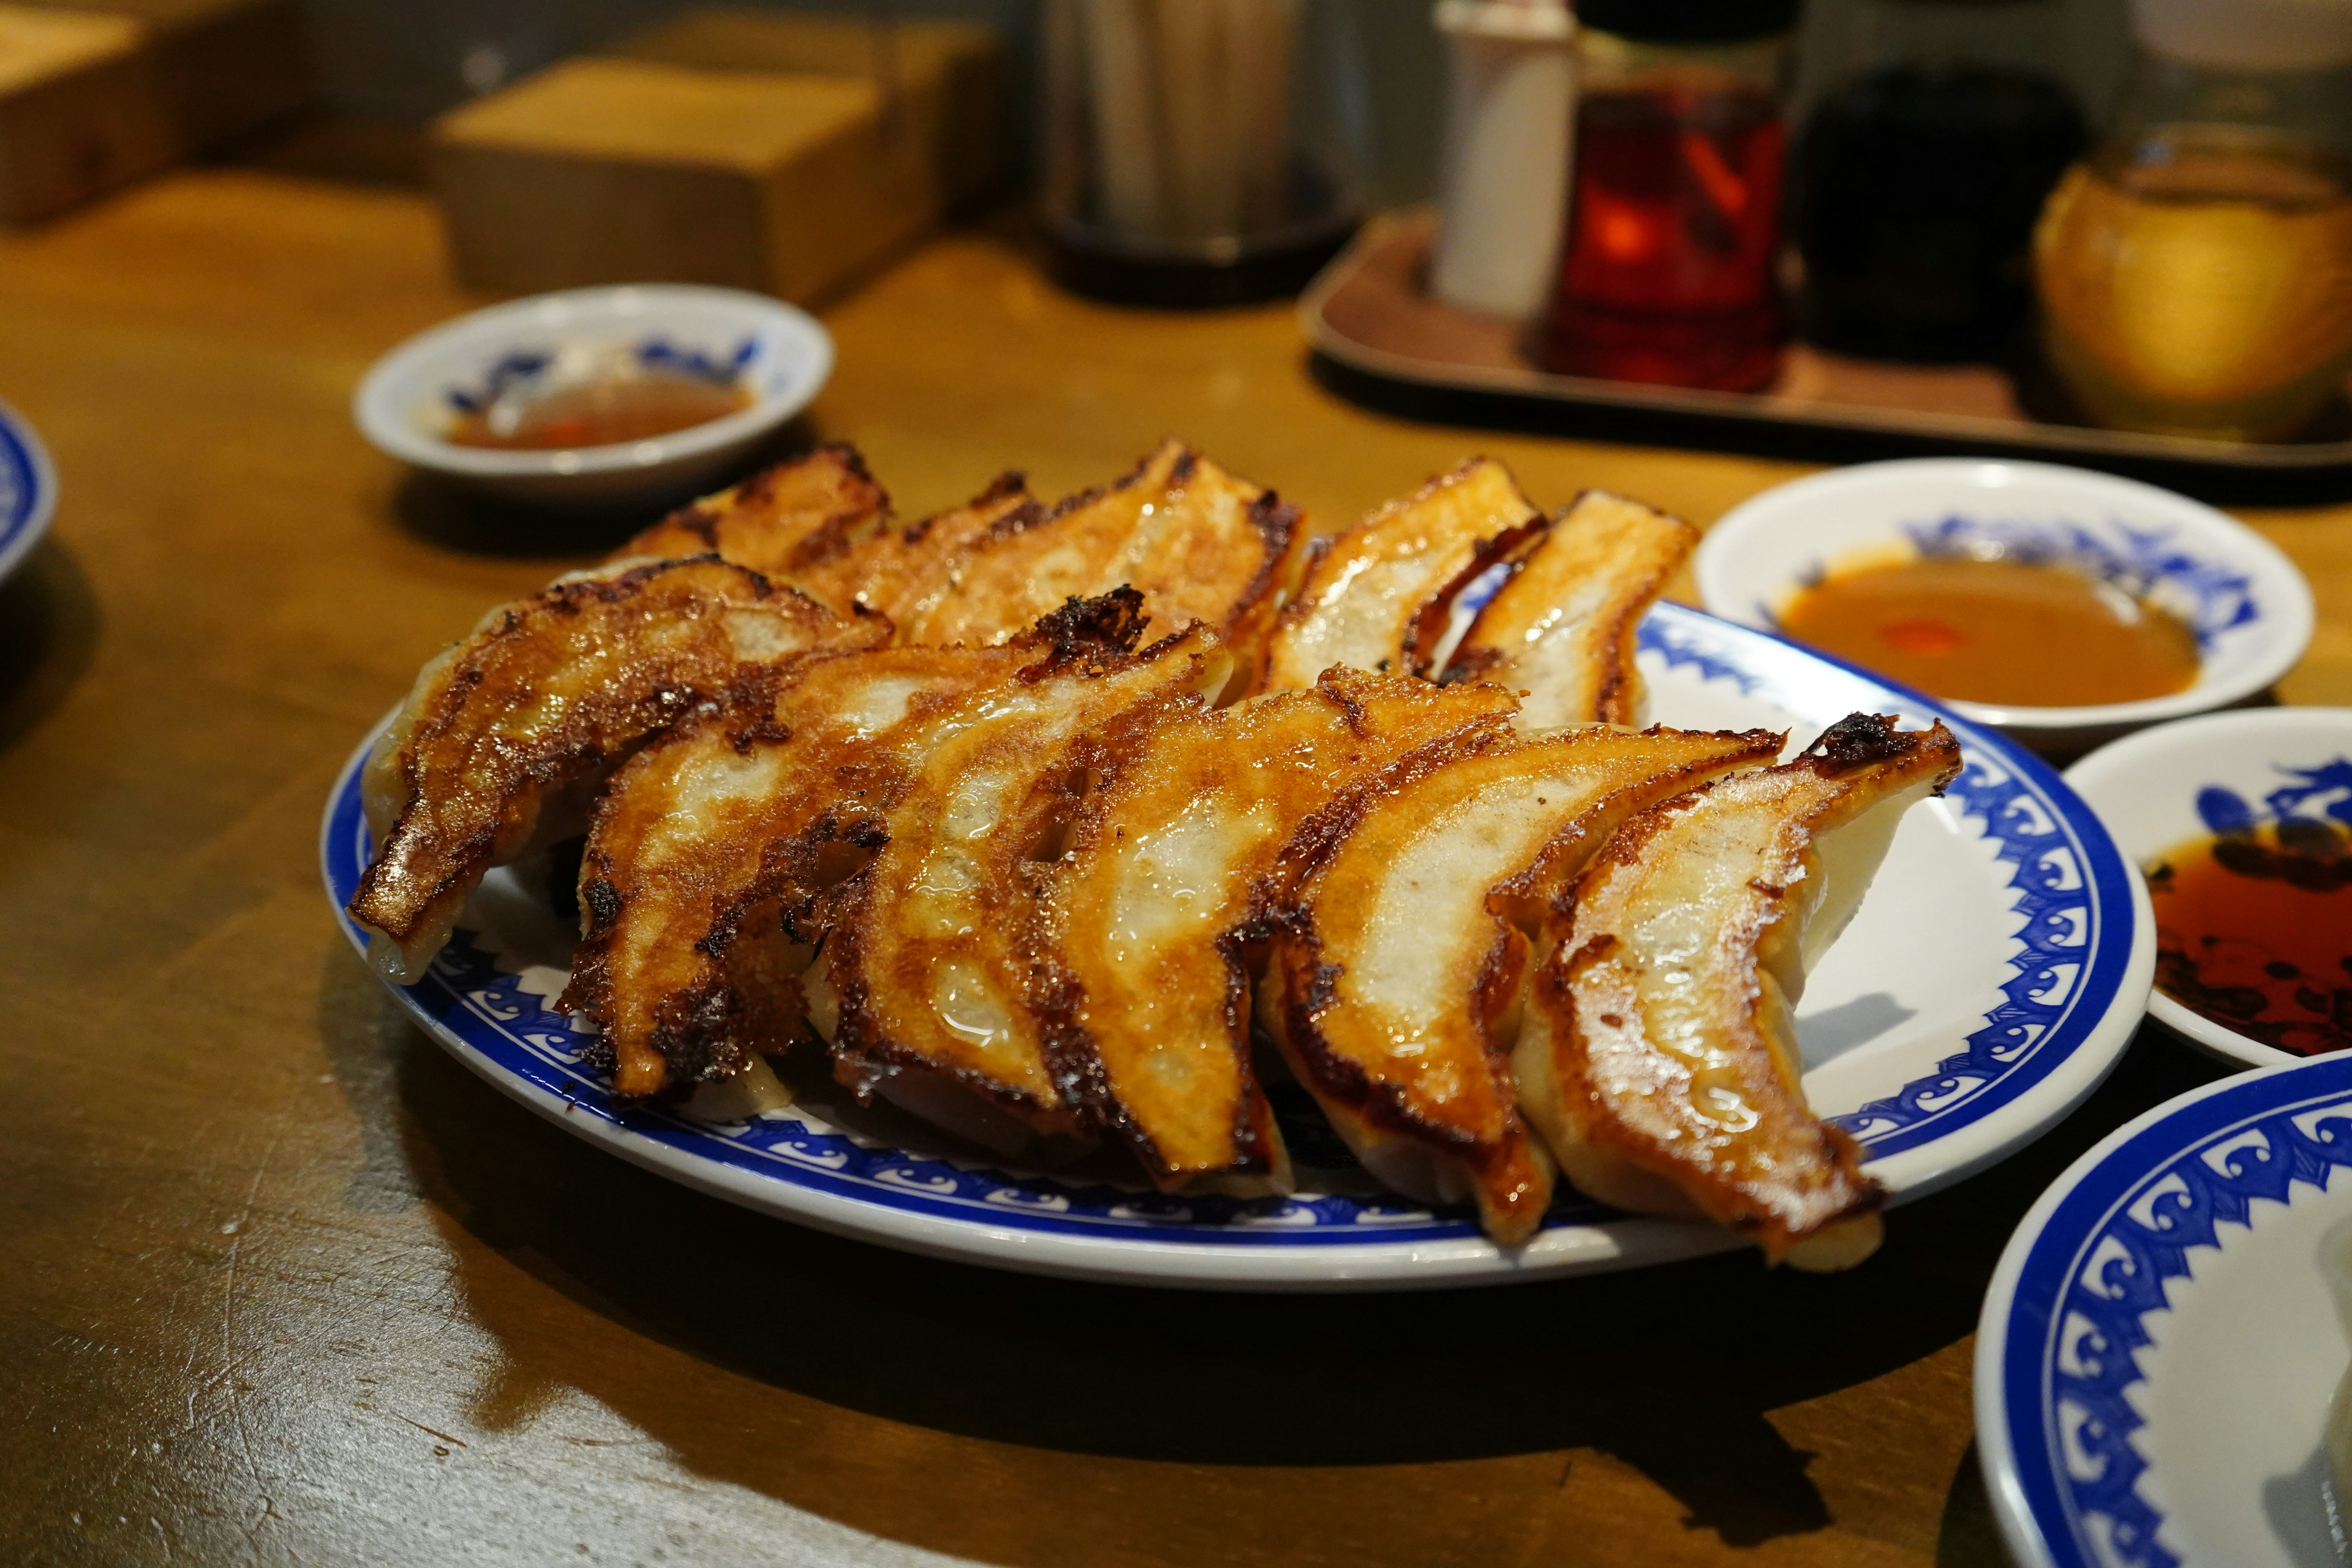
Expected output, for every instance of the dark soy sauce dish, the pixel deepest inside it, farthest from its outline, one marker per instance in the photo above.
(2254, 931)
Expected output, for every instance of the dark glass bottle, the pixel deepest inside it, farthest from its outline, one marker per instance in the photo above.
(1667, 270)
(1919, 173)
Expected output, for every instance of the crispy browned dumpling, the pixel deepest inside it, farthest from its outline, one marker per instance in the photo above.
(1561, 630)
(543, 693)
(708, 838)
(905, 573)
(1143, 927)
(1199, 543)
(922, 988)
(1659, 1054)
(1395, 973)
(784, 522)
(1377, 597)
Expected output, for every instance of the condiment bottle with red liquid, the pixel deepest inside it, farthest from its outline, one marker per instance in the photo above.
(1668, 271)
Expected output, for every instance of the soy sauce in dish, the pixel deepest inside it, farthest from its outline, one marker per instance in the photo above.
(2254, 930)
(2009, 632)
(600, 413)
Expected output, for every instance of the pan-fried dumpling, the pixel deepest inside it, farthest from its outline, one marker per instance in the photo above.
(1561, 628)
(1659, 1056)
(1145, 921)
(922, 987)
(783, 522)
(1378, 595)
(1199, 543)
(1395, 975)
(710, 839)
(545, 693)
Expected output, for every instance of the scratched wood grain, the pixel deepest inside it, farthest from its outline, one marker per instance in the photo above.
(282, 1283)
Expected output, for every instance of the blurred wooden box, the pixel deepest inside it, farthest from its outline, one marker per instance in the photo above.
(224, 67)
(80, 111)
(96, 92)
(774, 154)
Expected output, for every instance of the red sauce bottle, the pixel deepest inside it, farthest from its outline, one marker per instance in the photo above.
(1668, 273)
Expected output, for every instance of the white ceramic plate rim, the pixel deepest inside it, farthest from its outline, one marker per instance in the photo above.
(389, 422)
(1924, 1148)
(19, 533)
(2292, 609)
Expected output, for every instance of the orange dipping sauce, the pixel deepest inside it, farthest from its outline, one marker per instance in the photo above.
(2256, 934)
(602, 413)
(1997, 631)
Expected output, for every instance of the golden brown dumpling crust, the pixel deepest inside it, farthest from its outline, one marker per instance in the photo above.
(784, 522)
(905, 573)
(1561, 630)
(923, 989)
(545, 692)
(1376, 597)
(1660, 1056)
(711, 838)
(1146, 920)
(1197, 542)
(1396, 970)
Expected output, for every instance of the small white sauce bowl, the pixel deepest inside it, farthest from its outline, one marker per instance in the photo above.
(2165, 786)
(2248, 606)
(410, 396)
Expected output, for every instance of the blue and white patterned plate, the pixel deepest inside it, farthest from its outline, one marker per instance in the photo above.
(2161, 1340)
(28, 489)
(1993, 975)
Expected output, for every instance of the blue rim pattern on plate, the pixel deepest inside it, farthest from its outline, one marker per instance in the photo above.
(2071, 884)
(2076, 1320)
(28, 489)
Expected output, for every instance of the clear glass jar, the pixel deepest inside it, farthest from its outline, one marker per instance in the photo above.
(1668, 270)
(2196, 270)
(1920, 170)
(1201, 151)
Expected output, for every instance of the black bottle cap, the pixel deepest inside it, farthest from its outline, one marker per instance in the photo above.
(1688, 21)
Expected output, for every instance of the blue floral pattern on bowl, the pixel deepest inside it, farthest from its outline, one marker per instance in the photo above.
(2070, 888)
(2077, 1325)
(2145, 563)
(518, 369)
(27, 493)
(2227, 813)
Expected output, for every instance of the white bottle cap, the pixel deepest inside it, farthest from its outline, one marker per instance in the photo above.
(2247, 35)
(1534, 19)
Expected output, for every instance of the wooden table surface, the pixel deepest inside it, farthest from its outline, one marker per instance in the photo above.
(280, 1282)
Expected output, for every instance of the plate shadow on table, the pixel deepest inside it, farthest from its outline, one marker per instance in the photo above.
(1672, 1372)
(49, 621)
(453, 516)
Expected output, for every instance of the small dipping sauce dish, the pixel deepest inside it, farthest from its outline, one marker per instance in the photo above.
(586, 396)
(596, 397)
(2066, 606)
(2241, 824)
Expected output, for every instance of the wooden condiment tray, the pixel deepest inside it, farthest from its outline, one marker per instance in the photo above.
(1383, 340)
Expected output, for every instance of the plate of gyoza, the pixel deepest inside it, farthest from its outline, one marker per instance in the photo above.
(1150, 887)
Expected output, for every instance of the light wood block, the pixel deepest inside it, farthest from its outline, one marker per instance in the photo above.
(946, 77)
(79, 109)
(721, 148)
